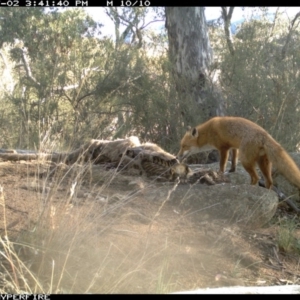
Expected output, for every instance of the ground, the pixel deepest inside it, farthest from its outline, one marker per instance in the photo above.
(72, 235)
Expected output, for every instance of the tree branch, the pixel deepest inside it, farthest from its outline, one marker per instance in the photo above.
(4, 60)
(27, 67)
(227, 17)
(288, 38)
(150, 23)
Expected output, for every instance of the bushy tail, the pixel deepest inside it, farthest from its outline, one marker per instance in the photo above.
(283, 162)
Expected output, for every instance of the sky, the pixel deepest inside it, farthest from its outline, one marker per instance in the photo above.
(211, 13)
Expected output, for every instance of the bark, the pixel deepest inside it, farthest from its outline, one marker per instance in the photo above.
(191, 55)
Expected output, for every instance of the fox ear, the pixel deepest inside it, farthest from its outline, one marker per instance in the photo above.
(195, 132)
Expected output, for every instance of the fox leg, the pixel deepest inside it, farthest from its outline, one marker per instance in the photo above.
(253, 174)
(266, 168)
(224, 153)
(234, 158)
(248, 161)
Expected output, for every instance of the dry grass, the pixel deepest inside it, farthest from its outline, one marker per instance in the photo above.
(63, 252)
(90, 236)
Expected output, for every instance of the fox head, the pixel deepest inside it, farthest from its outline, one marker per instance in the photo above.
(195, 140)
(188, 144)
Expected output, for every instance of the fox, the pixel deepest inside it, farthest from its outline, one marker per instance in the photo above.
(248, 141)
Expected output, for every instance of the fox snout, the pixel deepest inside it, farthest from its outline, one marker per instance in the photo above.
(182, 155)
(179, 155)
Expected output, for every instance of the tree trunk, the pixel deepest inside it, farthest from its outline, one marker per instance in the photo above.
(191, 55)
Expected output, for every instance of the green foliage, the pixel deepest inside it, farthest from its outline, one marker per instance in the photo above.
(69, 82)
(261, 80)
(286, 236)
(60, 78)
(48, 54)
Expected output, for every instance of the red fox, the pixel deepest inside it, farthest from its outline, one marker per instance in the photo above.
(254, 144)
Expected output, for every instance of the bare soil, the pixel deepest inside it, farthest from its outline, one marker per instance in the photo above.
(77, 236)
